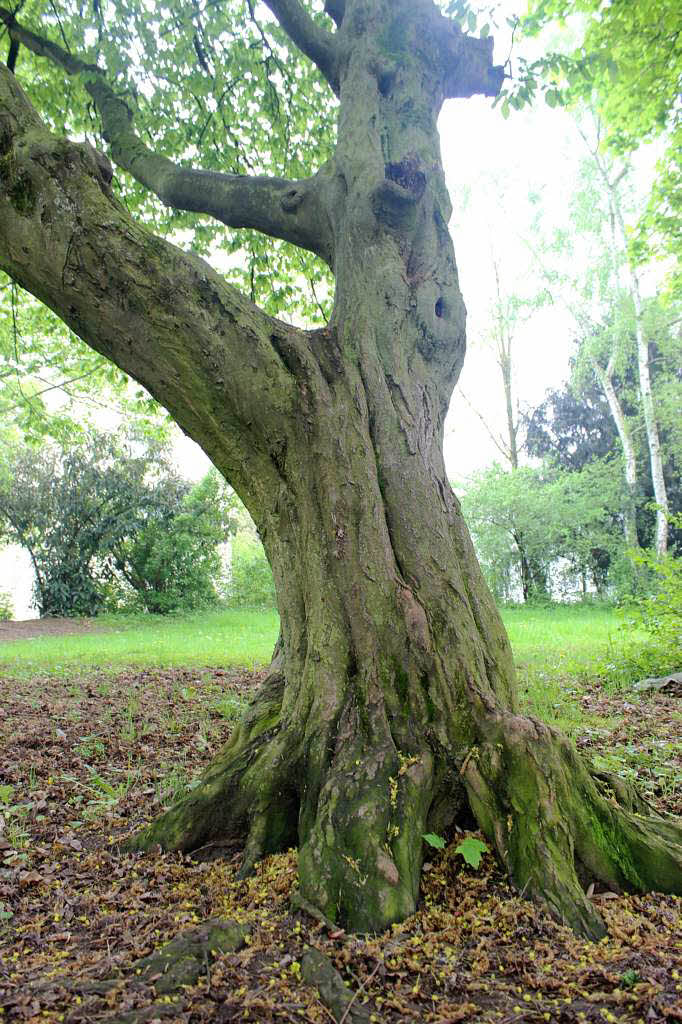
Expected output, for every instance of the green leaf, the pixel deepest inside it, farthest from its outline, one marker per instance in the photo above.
(437, 842)
(485, 32)
(472, 850)
(471, 21)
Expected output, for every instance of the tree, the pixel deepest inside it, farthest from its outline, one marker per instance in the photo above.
(627, 63)
(530, 520)
(170, 559)
(390, 705)
(612, 179)
(99, 510)
(609, 313)
(571, 428)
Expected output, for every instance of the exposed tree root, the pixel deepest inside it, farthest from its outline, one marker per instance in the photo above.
(358, 811)
(557, 826)
(318, 972)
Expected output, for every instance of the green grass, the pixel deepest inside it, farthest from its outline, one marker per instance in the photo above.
(226, 638)
(555, 648)
(560, 636)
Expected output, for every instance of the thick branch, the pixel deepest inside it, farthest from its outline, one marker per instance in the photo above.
(165, 317)
(469, 64)
(285, 209)
(312, 40)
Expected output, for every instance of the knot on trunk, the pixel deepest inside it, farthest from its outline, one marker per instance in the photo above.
(291, 200)
(407, 174)
(395, 199)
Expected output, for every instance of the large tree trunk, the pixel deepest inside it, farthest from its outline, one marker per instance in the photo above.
(390, 707)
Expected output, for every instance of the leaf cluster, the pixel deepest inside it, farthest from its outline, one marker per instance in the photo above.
(215, 86)
(627, 65)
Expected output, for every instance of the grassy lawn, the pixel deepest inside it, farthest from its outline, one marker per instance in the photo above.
(227, 638)
(554, 648)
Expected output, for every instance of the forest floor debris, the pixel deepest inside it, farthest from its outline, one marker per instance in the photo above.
(84, 760)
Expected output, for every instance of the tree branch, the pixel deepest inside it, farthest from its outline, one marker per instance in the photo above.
(312, 40)
(468, 62)
(163, 316)
(497, 441)
(291, 210)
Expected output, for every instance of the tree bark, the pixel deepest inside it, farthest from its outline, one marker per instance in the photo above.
(390, 706)
(605, 378)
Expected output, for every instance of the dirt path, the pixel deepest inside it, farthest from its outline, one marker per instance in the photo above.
(27, 628)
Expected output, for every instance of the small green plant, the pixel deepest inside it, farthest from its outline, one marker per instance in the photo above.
(12, 820)
(105, 794)
(629, 978)
(90, 746)
(437, 842)
(171, 785)
(231, 707)
(471, 849)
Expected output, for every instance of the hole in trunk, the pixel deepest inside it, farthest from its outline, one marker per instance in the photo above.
(440, 307)
(385, 82)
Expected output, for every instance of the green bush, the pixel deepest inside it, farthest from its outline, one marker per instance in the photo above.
(650, 639)
(6, 607)
(251, 584)
(172, 562)
(660, 614)
(110, 525)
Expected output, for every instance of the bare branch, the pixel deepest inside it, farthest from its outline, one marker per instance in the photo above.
(312, 40)
(497, 441)
(278, 207)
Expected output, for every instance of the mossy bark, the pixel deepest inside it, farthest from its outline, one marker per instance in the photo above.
(390, 709)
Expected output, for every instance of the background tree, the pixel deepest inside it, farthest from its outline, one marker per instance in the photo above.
(102, 510)
(390, 706)
(627, 64)
(588, 268)
(557, 520)
(571, 427)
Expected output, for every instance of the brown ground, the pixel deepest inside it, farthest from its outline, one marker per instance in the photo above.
(84, 760)
(23, 629)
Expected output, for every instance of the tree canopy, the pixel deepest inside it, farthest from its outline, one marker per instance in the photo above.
(627, 64)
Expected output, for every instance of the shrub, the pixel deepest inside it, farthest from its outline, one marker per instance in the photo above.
(656, 617)
(173, 562)
(108, 523)
(6, 606)
(251, 583)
